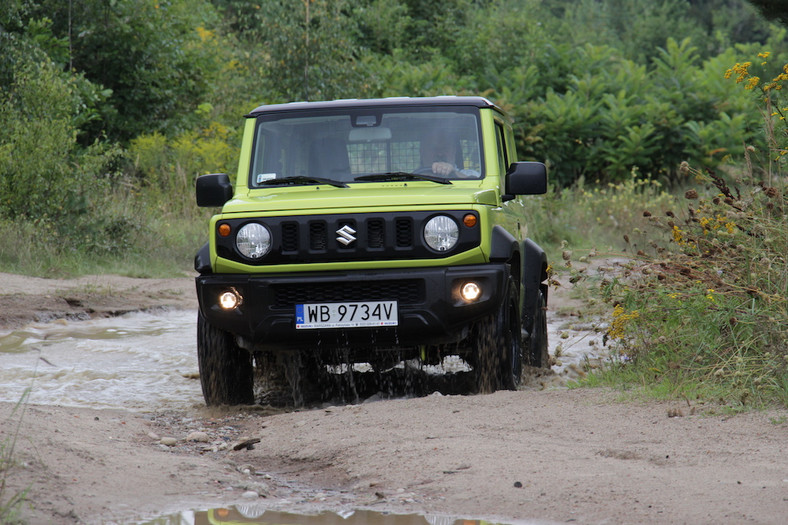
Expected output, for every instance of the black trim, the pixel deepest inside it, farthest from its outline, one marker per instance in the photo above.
(313, 238)
(403, 102)
(202, 261)
(503, 244)
(534, 275)
(429, 307)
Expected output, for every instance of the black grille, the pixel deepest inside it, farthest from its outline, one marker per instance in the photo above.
(376, 233)
(290, 237)
(409, 292)
(317, 236)
(404, 232)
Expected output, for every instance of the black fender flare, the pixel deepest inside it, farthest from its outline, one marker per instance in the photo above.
(534, 280)
(202, 261)
(503, 245)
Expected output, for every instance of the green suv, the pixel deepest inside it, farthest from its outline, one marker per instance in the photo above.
(371, 231)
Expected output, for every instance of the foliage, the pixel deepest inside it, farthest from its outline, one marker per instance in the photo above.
(110, 109)
(301, 50)
(42, 172)
(708, 312)
(148, 55)
(593, 217)
(772, 9)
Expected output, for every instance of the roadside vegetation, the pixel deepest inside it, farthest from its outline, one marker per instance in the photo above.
(11, 501)
(110, 110)
(701, 310)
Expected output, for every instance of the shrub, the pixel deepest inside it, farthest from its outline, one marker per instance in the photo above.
(707, 314)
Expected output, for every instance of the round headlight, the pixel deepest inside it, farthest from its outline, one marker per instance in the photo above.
(253, 240)
(441, 233)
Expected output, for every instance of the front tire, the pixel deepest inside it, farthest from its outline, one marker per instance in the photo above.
(497, 359)
(226, 370)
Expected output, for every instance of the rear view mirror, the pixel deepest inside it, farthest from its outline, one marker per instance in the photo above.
(377, 134)
(213, 189)
(526, 178)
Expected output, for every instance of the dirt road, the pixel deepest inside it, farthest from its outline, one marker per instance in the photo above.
(542, 456)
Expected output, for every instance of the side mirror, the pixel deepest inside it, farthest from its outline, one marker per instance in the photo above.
(213, 190)
(526, 178)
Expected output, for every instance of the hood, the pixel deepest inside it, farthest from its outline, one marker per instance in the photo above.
(384, 195)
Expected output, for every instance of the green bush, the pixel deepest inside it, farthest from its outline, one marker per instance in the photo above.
(42, 171)
(706, 315)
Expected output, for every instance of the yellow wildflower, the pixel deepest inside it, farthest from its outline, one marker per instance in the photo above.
(620, 320)
(678, 236)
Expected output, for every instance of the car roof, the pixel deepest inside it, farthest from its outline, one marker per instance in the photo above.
(447, 100)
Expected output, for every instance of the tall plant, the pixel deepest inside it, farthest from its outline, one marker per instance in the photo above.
(708, 314)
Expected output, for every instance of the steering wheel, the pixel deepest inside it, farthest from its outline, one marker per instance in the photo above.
(423, 171)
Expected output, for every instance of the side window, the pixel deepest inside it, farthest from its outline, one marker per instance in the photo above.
(503, 161)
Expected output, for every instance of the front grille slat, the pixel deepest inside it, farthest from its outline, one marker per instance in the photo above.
(318, 239)
(409, 292)
(290, 237)
(376, 233)
(404, 232)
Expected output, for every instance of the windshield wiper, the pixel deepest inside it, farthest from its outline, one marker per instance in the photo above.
(401, 175)
(303, 181)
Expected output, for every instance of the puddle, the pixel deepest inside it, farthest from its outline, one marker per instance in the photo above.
(139, 361)
(576, 345)
(261, 515)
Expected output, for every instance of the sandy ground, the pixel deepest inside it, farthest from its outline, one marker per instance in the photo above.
(540, 456)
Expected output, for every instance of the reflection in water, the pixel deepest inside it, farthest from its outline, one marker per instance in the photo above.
(139, 361)
(260, 515)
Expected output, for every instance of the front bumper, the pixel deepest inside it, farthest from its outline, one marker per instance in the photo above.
(429, 305)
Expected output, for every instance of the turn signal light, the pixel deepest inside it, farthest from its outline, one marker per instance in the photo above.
(469, 220)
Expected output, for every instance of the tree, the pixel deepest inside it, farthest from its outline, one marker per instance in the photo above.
(148, 54)
(772, 9)
(302, 50)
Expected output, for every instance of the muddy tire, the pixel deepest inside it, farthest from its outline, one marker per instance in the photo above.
(511, 338)
(226, 371)
(498, 358)
(538, 355)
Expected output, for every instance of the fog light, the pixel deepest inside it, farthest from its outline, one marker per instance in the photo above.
(470, 291)
(230, 300)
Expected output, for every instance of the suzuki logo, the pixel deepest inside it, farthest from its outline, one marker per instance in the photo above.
(345, 234)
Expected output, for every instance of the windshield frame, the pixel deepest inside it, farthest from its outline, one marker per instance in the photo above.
(359, 116)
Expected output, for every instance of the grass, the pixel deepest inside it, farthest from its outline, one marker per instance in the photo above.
(703, 313)
(142, 235)
(592, 217)
(11, 502)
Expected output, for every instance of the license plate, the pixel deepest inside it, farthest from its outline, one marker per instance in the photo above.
(346, 315)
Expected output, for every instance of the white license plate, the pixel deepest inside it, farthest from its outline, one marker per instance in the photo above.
(346, 315)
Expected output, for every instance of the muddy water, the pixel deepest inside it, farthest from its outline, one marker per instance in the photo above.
(147, 362)
(138, 362)
(262, 515)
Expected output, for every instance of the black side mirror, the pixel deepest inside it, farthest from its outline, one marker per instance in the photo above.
(213, 189)
(526, 178)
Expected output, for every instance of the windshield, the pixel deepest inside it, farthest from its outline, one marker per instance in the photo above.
(366, 145)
